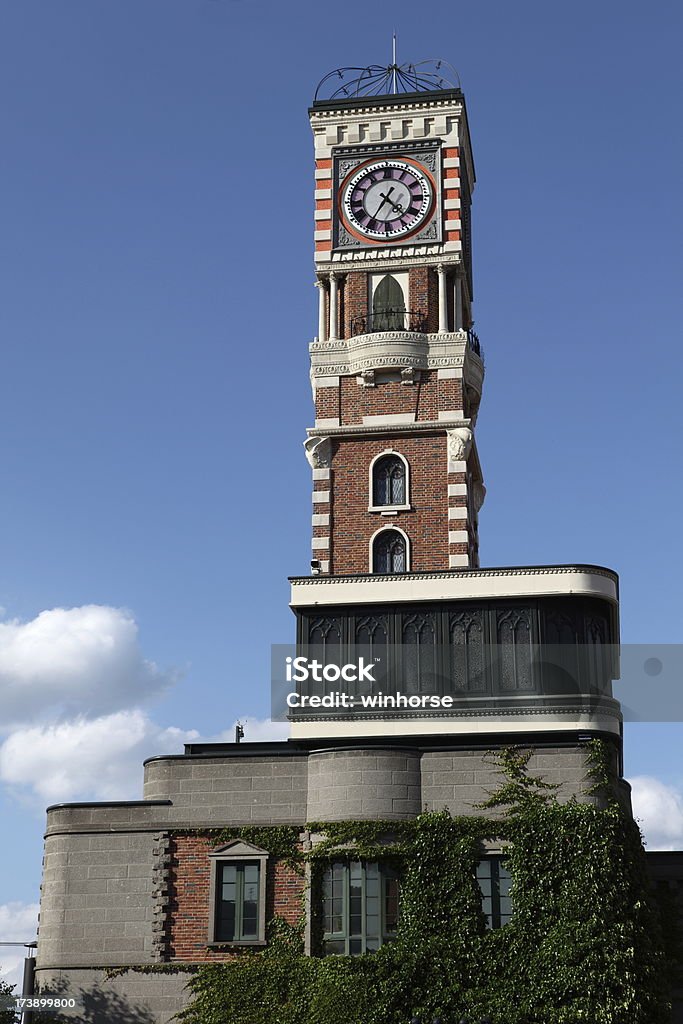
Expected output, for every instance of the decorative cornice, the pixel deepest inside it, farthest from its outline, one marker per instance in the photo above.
(420, 427)
(401, 257)
(465, 573)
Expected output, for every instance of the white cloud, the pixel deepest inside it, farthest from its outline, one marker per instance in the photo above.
(18, 923)
(97, 759)
(68, 661)
(101, 758)
(659, 810)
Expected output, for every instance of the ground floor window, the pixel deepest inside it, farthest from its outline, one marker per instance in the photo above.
(360, 906)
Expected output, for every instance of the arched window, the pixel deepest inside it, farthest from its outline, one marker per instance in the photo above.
(389, 481)
(388, 305)
(389, 552)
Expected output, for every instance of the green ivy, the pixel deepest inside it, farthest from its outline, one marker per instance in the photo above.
(584, 943)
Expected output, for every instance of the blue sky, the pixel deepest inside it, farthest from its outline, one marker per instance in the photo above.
(156, 303)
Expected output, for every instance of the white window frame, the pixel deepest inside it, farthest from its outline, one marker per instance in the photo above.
(387, 509)
(237, 852)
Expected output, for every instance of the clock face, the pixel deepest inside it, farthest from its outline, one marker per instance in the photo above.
(386, 199)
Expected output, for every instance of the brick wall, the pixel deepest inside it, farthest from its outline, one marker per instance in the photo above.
(426, 523)
(389, 398)
(190, 879)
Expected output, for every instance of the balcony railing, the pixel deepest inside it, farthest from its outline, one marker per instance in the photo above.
(390, 320)
(473, 342)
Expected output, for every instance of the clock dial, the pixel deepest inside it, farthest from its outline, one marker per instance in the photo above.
(386, 199)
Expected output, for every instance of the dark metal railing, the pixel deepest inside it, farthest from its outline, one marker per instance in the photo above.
(473, 341)
(390, 320)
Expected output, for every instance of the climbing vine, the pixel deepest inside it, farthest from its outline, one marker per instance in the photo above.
(584, 943)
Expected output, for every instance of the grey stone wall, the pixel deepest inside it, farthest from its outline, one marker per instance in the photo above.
(238, 790)
(369, 783)
(96, 902)
(457, 780)
(131, 998)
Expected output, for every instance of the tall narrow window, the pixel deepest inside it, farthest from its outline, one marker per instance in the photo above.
(238, 894)
(494, 881)
(389, 481)
(389, 553)
(360, 907)
(388, 305)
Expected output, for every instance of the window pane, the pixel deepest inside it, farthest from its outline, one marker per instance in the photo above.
(495, 881)
(237, 909)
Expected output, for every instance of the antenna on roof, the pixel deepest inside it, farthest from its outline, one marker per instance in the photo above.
(393, 63)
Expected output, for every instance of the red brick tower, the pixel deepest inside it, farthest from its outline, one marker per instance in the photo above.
(396, 368)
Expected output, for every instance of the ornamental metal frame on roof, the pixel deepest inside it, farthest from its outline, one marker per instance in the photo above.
(432, 75)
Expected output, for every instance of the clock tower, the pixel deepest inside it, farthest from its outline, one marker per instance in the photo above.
(397, 375)
(396, 367)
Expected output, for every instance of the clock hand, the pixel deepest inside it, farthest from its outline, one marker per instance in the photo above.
(385, 199)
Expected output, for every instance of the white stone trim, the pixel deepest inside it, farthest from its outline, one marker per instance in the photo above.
(451, 161)
(324, 564)
(452, 225)
(450, 726)
(451, 204)
(449, 373)
(320, 544)
(394, 529)
(456, 489)
(525, 581)
(323, 236)
(322, 215)
(325, 382)
(389, 418)
(320, 519)
(323, 172)
(457, 466)
(323, 473)
(321, 497)
(456, 561)
(371, 489)
(458, 537)
(324, 193)
(329, 421)
(390, 350)
(458, 512)
(449, 414)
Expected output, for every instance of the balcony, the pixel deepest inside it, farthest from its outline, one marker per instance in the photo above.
(398, 340)
(410, 320)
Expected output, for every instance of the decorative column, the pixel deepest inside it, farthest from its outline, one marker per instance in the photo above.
(334, 306)
(443, 301)
(322, 311)
(457, 305)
